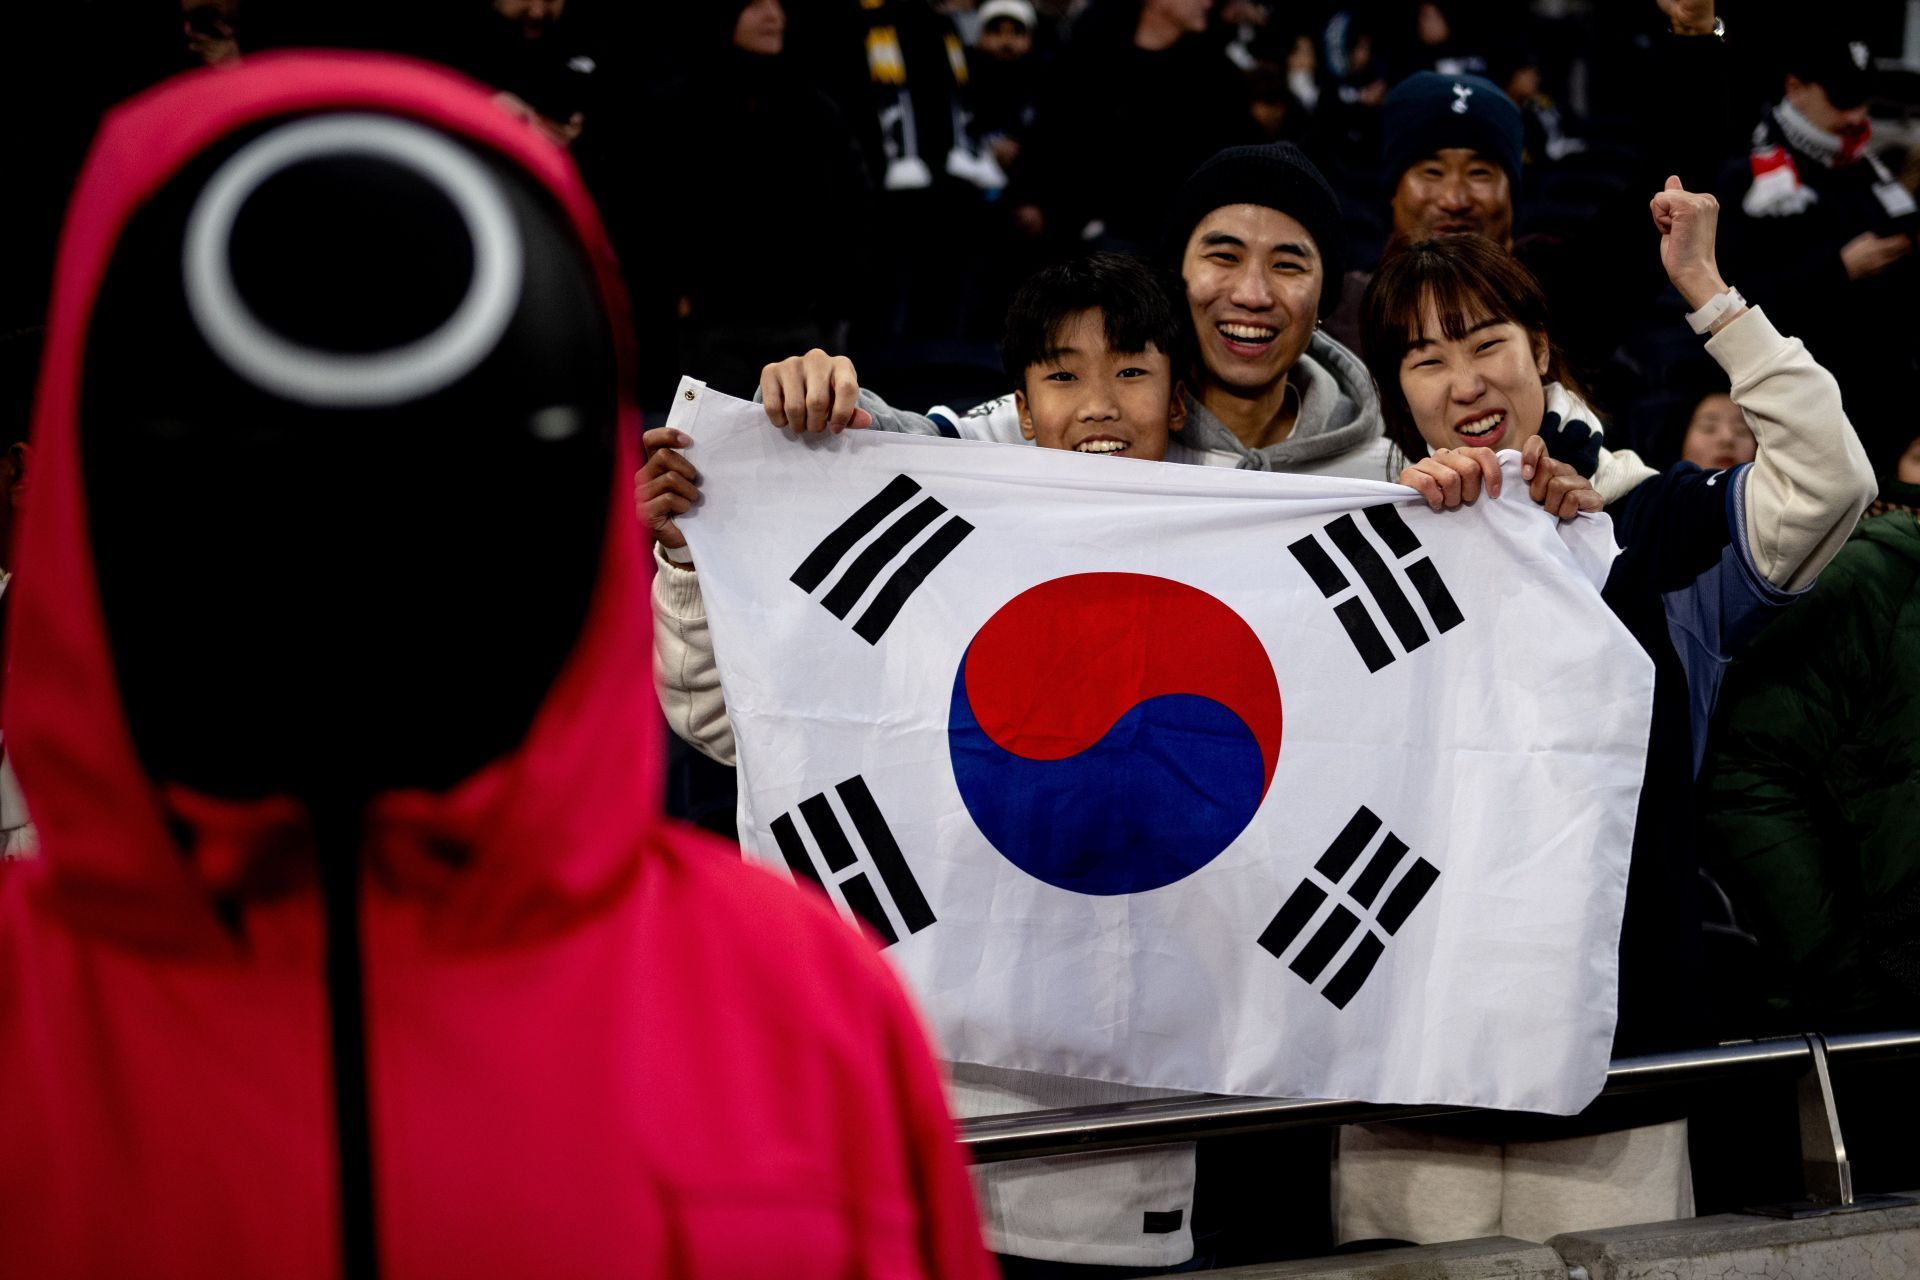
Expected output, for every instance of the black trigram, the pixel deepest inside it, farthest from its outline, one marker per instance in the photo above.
(1353, 903)
(1378, 581)
(904, 527)
(837, 852)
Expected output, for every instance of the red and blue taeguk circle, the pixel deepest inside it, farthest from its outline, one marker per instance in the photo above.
(1113, 732)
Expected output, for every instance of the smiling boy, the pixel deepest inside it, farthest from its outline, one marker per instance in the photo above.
(1093, 345)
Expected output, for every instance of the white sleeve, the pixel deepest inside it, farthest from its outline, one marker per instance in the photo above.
(997, 420)
(1810, 479)
(684, 671)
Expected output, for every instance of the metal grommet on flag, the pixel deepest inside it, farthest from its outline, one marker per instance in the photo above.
(331, 379)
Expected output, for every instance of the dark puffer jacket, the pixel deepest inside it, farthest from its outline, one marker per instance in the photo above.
(1812, 788)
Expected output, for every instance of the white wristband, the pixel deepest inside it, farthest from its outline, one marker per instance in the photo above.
(1713, 308)
(677, 555)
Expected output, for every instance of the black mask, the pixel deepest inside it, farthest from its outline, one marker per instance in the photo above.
(347, 427)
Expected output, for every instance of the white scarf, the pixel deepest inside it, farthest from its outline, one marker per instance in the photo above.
(1570, 424)
(1777, 189)
(1618, 470)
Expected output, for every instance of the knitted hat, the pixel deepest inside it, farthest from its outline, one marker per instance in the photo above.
(1429, 112)
(1841, 66)
(1019, 10)
(1277, 175)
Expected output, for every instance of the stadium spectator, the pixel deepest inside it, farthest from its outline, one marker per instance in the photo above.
(1351, 120)
(209, 30)
(1139, 96)
(525, 53)
(744, 120)
(1278, 112)
(1451, 153)
(1456, 335)
(1822, 233)
(1453, 150)
(1004, 77)
(443, 993)
(1717, 436)
(898, 73)
(1303, 72)
(1544, 126)
(1812, 782)
(1433, 44)
(1095, 345)
(1453, 146)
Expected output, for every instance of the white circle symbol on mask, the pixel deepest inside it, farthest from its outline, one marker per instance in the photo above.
(335, 380)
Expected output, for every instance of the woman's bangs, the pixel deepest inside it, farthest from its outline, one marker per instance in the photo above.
(1460, 300)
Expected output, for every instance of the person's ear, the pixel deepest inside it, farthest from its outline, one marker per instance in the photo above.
(1542, 354)
(1027, 428)
(1177, 407)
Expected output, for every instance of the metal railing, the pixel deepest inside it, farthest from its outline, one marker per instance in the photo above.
(1079, 1130)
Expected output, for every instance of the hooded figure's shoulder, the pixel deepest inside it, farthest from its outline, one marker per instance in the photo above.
(775, 933)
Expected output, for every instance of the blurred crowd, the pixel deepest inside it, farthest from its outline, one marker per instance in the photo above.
(878, 176)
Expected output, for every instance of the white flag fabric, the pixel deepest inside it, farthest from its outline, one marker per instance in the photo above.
(1185, 777)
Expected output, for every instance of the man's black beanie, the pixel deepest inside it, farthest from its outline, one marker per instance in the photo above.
(1429, 112)
(1277, 175)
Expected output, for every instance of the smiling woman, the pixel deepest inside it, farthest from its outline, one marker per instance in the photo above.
(1458, 328)
(1455, 332)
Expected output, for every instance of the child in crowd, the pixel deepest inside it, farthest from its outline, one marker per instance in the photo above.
(1717, 435)
(1095, 346)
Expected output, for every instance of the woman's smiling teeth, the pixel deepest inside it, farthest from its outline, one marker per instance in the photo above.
(1482, 426)
(1100, 446)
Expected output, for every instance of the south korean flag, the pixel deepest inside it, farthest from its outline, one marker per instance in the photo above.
(1185, 777)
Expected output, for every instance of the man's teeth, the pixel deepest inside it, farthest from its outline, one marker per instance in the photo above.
(1480, 426)
(1100, 446)
(1248, 332)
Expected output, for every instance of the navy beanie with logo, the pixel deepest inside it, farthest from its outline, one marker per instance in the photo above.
(1276, 175)
(1838, 64)
(1429, 112)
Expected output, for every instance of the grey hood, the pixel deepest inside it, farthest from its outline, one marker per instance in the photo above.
(1339, 414)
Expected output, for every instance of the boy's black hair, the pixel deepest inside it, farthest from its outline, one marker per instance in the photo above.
(1133, 298)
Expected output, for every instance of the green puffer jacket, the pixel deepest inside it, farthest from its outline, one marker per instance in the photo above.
(1811, 790)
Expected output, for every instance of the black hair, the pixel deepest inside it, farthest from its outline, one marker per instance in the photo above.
(1135, 302)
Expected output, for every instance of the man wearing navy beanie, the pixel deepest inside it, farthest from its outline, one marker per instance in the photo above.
(1452, 146)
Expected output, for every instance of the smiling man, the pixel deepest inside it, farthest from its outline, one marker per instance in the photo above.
(1256, 236)
(1455, 144)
